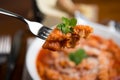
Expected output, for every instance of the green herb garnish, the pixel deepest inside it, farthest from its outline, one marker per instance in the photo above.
(77, 56)
(67, 25)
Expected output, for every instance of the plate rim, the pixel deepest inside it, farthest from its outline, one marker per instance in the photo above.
(31, 58)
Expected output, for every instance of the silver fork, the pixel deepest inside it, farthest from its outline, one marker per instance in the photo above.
(36, 28)
(114, 26)
(5, 48)
(117, 26)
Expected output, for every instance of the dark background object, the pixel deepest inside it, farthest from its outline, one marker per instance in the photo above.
(12, 58)
(38, 15)
(9, 26)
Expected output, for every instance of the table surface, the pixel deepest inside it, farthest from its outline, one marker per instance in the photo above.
(9, 26)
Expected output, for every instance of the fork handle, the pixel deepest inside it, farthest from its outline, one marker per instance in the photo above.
(9, 13)
(12, 58)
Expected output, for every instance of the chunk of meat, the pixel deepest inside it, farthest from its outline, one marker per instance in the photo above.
(58, 40)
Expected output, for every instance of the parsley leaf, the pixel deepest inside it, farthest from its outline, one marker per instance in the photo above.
(77, 56)
(67, 25)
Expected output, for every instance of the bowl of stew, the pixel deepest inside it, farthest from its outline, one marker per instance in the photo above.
(102, 62)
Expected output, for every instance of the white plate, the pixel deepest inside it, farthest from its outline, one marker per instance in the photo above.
(37, 43)
(31, 56)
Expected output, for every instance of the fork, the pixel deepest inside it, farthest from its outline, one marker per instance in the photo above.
(117, 26)
(36, 28)
(114, 26)
(12, 58)
(5, 48)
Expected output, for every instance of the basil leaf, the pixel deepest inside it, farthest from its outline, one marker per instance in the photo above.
(65, 29)
(67, 25)
(77, 56)
(73, 22)
(65, 21)
(59, 26)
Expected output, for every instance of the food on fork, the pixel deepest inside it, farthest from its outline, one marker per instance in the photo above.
(66, 35)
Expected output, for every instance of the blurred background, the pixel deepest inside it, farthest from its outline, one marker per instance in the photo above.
(16, 36)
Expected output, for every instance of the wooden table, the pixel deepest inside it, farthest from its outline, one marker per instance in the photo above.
(108, 9)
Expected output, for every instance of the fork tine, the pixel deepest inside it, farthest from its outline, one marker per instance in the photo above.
(41, 35)
(44, 32)
(47, 28)
(5, 47)
(0, 44)
(8, 44)
(117, 26)
(5, 44)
